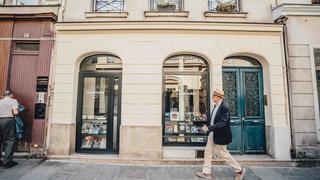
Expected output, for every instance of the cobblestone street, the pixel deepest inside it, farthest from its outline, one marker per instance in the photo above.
(34, 170)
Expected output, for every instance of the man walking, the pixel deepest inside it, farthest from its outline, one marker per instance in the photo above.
(219, 137)
(8, 108)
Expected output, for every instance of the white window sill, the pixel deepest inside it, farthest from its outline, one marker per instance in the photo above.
(106, 14)
(166, 13)
(225, 14)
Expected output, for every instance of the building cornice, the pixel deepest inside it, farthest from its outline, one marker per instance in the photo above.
(296, 10)
(29, 10)
(49, 16)
(177, 25)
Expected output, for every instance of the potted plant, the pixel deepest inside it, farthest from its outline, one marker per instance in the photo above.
(226, 7)
(165, 5)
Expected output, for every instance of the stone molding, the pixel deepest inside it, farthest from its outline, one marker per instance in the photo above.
(296, 10)
(166, 13)
(106, 14)
(210, 14)
(163, 25)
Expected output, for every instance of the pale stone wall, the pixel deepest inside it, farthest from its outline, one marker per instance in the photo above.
(302, 38)
(143, 53)
(258, 11)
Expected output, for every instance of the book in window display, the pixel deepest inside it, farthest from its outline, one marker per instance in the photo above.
(87, 142)
(104, 128)
(85, 128)
(180, 139)
(103, 143)
(175, 128)
(167, 116)
(188, 116)
(169, 128)
(182, 127)
(96, 143)
(94, 129)
(174, 116)
(172, 139)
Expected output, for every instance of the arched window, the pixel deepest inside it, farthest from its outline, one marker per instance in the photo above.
(186, 100)
(98, 115)
(100, 62)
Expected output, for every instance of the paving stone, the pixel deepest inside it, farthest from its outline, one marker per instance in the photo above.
(108, 172)
(158, 173)
(88, 171)
(133, 172)
(182, 173)
(61, 176)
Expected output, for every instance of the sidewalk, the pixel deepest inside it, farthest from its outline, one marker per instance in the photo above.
(51, 170)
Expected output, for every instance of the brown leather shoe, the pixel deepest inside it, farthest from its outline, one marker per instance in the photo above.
(203, 175)
(240, 175)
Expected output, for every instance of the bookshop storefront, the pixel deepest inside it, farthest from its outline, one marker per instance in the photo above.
(146, 95)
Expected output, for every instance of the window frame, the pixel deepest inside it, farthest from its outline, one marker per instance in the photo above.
(164, 74)
(152, 4)
(15, 51)
(211, 8)
(122, 9)
(316, 93)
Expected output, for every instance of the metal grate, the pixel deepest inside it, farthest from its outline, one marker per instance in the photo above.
(224, 5)
(166, 5)
(109, 5)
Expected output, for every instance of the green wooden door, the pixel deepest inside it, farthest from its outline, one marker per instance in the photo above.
(244, 93)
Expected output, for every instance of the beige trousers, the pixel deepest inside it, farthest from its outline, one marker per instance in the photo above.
(220, 151)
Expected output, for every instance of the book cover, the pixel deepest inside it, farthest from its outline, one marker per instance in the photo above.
(180, 139)
(168, 128)
(94, 129)
(188, 116)
(182, 127)
(85, 128)
(172, 139)
(96, 143)
(175, 128)
(174, 116)
(87, 142)
(104, 128)
(103, 143)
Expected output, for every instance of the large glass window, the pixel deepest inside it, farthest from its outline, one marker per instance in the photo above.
(317, 68)
(166, 5)
(109, 5)
(224, 5)
(186, 100)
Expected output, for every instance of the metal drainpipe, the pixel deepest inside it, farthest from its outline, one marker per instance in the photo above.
(282, 20)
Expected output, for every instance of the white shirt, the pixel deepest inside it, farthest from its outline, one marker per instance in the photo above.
(213, 115)
(7, 105)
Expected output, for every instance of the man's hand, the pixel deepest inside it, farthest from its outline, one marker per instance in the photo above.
(205, 128)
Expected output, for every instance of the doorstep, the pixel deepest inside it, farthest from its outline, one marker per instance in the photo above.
(246, 160)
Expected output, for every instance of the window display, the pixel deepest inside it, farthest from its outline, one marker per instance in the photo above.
(186, 100)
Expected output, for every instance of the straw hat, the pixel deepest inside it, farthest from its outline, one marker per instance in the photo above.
(219, 93)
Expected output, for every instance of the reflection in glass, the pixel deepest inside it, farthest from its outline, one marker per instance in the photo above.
(241, 61)
(94, 113)
(186, 100)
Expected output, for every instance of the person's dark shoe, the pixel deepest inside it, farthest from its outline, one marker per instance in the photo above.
(1, 163)
(10, 164)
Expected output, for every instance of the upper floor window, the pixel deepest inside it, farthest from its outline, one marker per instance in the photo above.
(109, 5)
(27, 2)
(166, 5)
(315, 1)
(224, 5)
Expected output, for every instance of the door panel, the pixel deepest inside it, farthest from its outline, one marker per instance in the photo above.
(231, 80)
(97, 119)
(244, 94)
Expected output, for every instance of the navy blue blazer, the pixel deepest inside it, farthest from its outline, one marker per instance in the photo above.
(221, 128)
